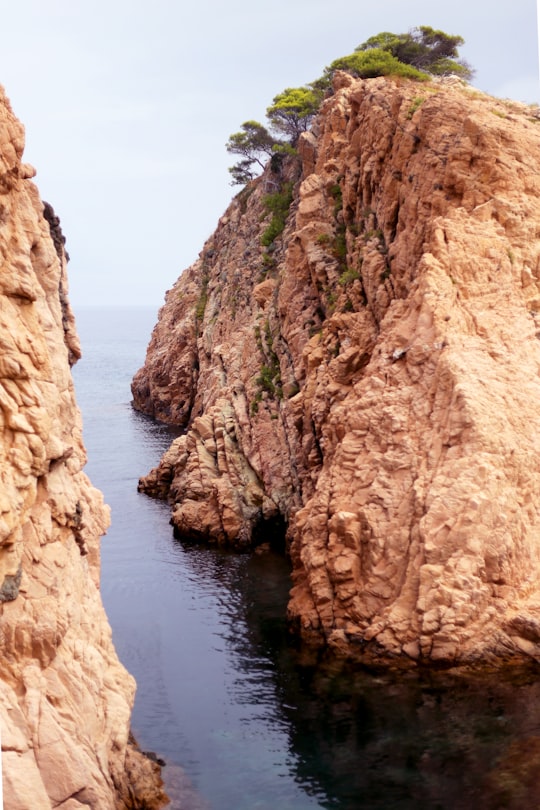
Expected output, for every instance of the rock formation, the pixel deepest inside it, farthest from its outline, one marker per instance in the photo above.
(65, 700)
(371, 377)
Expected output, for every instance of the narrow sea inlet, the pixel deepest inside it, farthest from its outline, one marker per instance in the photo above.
(244, 719)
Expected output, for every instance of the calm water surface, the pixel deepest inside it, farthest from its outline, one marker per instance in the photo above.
(245, 720)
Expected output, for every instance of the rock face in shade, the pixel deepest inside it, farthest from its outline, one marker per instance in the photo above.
(65, 700)
(372, 380)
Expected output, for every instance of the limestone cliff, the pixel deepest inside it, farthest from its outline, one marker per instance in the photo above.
(65, 700)
(371, 378)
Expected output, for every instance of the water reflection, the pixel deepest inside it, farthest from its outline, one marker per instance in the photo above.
(428, 742)
(359, 739)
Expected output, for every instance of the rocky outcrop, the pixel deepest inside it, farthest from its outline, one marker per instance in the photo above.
(372, 377)
(65, 700)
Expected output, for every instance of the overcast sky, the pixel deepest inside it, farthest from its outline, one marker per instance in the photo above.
(127, 106)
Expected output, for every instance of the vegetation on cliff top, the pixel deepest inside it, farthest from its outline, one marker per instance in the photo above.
(419, 54)
(425, 49)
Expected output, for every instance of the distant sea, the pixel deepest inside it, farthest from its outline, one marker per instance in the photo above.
(244, 719)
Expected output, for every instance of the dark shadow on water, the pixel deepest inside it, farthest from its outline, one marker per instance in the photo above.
(376, 741)
(162, 433)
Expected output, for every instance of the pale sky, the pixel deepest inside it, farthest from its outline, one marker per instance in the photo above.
(128, 105)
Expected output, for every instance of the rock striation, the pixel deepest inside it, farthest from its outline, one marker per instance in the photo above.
(370, 379)
(65, 699)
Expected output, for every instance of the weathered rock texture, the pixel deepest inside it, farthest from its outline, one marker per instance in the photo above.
(65, 700)
(373, 378)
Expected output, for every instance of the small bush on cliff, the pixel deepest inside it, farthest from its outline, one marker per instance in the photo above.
(376, 62)
(269, 379)
(278, 205)
(424, 48)
(200, 306)
(348, 276)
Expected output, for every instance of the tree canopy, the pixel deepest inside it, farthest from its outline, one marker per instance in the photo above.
(290, 114)
(424, 48)
(375, 62)
(254, 144)
(419, 54)
(292, 111)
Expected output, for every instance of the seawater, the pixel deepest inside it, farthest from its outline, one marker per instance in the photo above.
(244, 718)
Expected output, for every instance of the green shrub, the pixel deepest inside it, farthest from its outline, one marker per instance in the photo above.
(337, 194)
(269, 379)
(376, 62)
(348, 276)
(278, 205)
(272, 378)
(340, 245)
(415, 104)
(424, 48)
(200, 306)
(266, 379)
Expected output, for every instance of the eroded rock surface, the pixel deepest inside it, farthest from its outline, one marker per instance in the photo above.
(372, 378)
(65, 700)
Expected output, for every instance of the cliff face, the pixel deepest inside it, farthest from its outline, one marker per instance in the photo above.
(65, 700)
(372, 379)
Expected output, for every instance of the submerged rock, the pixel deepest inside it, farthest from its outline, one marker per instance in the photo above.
(372, 377)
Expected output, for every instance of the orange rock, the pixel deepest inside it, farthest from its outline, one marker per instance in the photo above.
(381, 395)
(65, 699)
